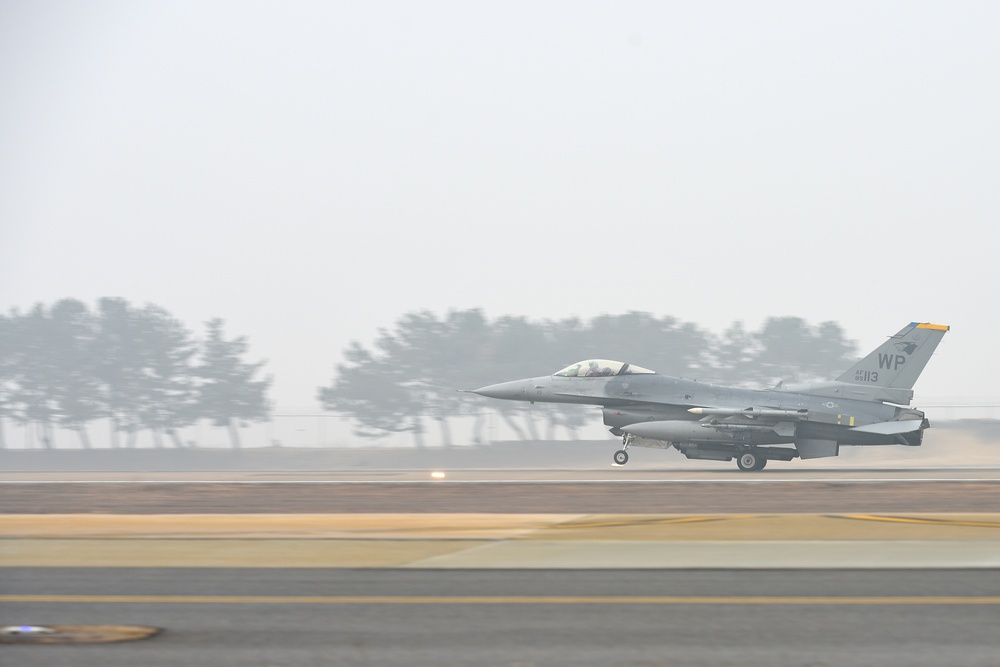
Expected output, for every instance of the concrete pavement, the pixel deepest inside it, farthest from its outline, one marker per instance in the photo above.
(505, 541)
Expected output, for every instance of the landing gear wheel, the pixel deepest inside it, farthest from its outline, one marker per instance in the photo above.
(749, 460)
(621, 457)
(761, 463)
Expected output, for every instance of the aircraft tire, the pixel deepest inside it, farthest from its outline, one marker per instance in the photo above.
(621, 457)
(749, 460)
(761, 463)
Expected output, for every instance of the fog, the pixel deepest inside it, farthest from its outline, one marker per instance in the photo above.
(311, 171)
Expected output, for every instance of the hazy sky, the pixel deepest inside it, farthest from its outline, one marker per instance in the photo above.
(310, 171)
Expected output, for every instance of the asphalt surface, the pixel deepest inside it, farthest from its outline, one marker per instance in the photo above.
(394, 617)
(657, 497)
(699, 617)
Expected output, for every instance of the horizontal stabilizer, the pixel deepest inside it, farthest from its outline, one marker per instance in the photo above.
(890, 428)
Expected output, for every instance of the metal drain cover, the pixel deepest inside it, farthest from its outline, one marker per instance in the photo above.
(74, 634)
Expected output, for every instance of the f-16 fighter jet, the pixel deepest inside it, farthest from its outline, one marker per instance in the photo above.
(707, 421)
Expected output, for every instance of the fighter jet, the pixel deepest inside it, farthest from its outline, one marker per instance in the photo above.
(863, 406)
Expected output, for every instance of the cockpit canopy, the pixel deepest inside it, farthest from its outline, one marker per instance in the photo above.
(602, 368)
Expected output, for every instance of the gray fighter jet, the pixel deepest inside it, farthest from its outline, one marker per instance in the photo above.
(708, 421)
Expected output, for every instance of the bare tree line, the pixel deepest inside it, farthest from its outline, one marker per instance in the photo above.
(410, 374)
(138, 367)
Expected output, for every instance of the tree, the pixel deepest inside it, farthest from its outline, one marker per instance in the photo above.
(227, 391)
(790, 350)
(73, 388)
(36, 375)
(417, 354)
(51, 369)
(167, 398)
(832, 353)
(120, 361)
(521, 348)
(414, 370)
(6, 370)
(144, 367)
(664, 345)
(372, 391)
(469, 338)
(734, 353)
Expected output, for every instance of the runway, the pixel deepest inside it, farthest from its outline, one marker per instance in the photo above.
(734, 495)
(527, 519)
(506, 474)
(293, 617)
(506, 567)
(503, 541)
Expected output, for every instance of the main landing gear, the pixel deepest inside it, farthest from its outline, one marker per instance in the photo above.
(621, 456)
(749, 460)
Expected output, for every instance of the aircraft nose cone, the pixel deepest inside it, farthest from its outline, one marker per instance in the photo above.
(510, 391)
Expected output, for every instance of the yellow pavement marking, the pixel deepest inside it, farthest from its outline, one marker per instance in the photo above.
(766, 527)
(277, 526)
(640, 520)
(277, 553)
(398, 540)
(504, 599)
(624, 527)
(920, 520)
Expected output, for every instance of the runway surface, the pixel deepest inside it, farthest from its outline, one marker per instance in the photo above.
(738, 495)
(292, 617)
(699, 567)
(502, 541)
(794, 471)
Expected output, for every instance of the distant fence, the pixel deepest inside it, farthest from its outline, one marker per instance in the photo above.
(294, 429)
(304, 428)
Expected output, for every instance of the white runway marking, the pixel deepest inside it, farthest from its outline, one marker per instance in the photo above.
(539, 482)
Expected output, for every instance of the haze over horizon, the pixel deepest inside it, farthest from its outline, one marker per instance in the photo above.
(312, 171)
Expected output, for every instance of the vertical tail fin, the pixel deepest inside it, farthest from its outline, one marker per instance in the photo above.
(897, 363)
